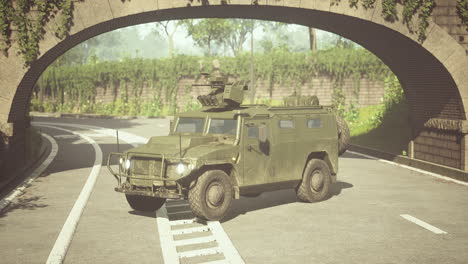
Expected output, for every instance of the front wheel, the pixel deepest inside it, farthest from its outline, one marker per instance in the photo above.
(211, 195)
(315, 185)
(145, 203)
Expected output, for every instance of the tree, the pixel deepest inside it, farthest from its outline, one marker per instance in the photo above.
(238, 32)
(169, 28)
(312, 39)
(208, 32)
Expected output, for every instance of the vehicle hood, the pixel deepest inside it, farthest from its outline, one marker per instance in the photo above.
(193, 147)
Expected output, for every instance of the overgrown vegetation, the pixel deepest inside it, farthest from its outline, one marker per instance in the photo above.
(410, 7)
(384, 127)
(73, 88)
(462, 10)
(28, 18)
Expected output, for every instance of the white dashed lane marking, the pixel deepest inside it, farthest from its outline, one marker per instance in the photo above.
(423, 224)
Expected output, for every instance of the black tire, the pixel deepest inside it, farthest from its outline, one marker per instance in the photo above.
(315, 185)
(211, 195)
(145, 203)
(344, 137)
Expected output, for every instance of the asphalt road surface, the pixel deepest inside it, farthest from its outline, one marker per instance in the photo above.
(378, 213)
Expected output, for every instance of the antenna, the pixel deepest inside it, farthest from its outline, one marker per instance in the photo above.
(117, 134)
(180, 145)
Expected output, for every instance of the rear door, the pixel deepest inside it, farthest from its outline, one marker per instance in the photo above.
(256, 155)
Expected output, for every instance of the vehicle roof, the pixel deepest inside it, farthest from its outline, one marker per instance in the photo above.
(255, 111)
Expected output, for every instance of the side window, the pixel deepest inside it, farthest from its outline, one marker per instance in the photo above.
(252, 132)
(313, 123)
(286, 124)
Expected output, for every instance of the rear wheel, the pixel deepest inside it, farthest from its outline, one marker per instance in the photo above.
(211, 195)
(315, 185)
(145, 203)
(343, 135)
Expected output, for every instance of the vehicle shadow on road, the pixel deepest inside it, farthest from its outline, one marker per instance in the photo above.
(146, 214)
(337, 187)
(271, 199)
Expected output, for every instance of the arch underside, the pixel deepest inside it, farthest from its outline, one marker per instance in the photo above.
(430, 89)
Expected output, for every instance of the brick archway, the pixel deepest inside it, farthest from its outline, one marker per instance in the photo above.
(432, 73)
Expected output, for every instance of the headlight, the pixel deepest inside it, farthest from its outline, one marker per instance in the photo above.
(127, 164)
(181, 168)
(121, 161)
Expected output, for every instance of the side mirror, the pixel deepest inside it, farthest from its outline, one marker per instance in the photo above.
(262, 133)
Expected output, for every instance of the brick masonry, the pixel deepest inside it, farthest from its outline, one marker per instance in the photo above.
(370, 92)
(438, 147)
(445, 15)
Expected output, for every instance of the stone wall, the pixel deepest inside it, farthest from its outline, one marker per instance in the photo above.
(370, 92)
(439, 147)
(445, 15)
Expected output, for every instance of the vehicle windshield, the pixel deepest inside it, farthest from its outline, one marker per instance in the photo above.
(190, 125)
(223, 126)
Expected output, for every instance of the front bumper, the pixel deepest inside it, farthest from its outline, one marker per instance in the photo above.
(159, 192)
(153, 184)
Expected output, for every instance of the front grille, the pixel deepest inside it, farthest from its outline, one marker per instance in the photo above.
(146, 168)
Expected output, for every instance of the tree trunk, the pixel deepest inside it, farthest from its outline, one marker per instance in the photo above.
(312, 39)
(171, 45)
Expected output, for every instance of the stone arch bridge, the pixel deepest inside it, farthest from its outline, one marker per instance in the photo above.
(434, 73)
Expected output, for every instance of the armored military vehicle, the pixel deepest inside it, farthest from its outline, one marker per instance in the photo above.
(227, 150)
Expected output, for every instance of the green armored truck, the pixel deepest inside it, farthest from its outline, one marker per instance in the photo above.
(227, 150)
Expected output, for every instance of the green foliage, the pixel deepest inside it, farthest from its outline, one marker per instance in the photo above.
(353, 3)
(72, 88)
(462, 10)
(410, 8)
(338, 100)
(384, 127)
(6, 11)
(30, 25)
(424, 14)
(389, 10)
(208, 32)
(368, 3)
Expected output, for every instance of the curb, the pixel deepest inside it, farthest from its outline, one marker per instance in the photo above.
(15, 177)
(92, 116)
(415, 163)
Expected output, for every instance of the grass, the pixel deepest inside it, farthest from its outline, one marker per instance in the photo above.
(390, 134)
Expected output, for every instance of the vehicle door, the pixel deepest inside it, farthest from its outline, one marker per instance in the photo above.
(285, 150)
(256, 154)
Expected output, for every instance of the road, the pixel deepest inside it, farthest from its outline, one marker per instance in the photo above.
(374, 215)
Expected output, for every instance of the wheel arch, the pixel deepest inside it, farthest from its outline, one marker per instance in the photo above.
(229, 169)
(322, 155)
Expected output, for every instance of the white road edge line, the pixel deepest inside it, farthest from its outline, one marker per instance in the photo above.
(423, 224)
(38, 171)
(62, 243)
(411, 168)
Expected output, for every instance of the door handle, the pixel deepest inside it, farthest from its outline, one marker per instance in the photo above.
(249, 147)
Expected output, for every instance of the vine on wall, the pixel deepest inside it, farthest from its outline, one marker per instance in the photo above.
(410, 7)
(462, 10)
(28, 19)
